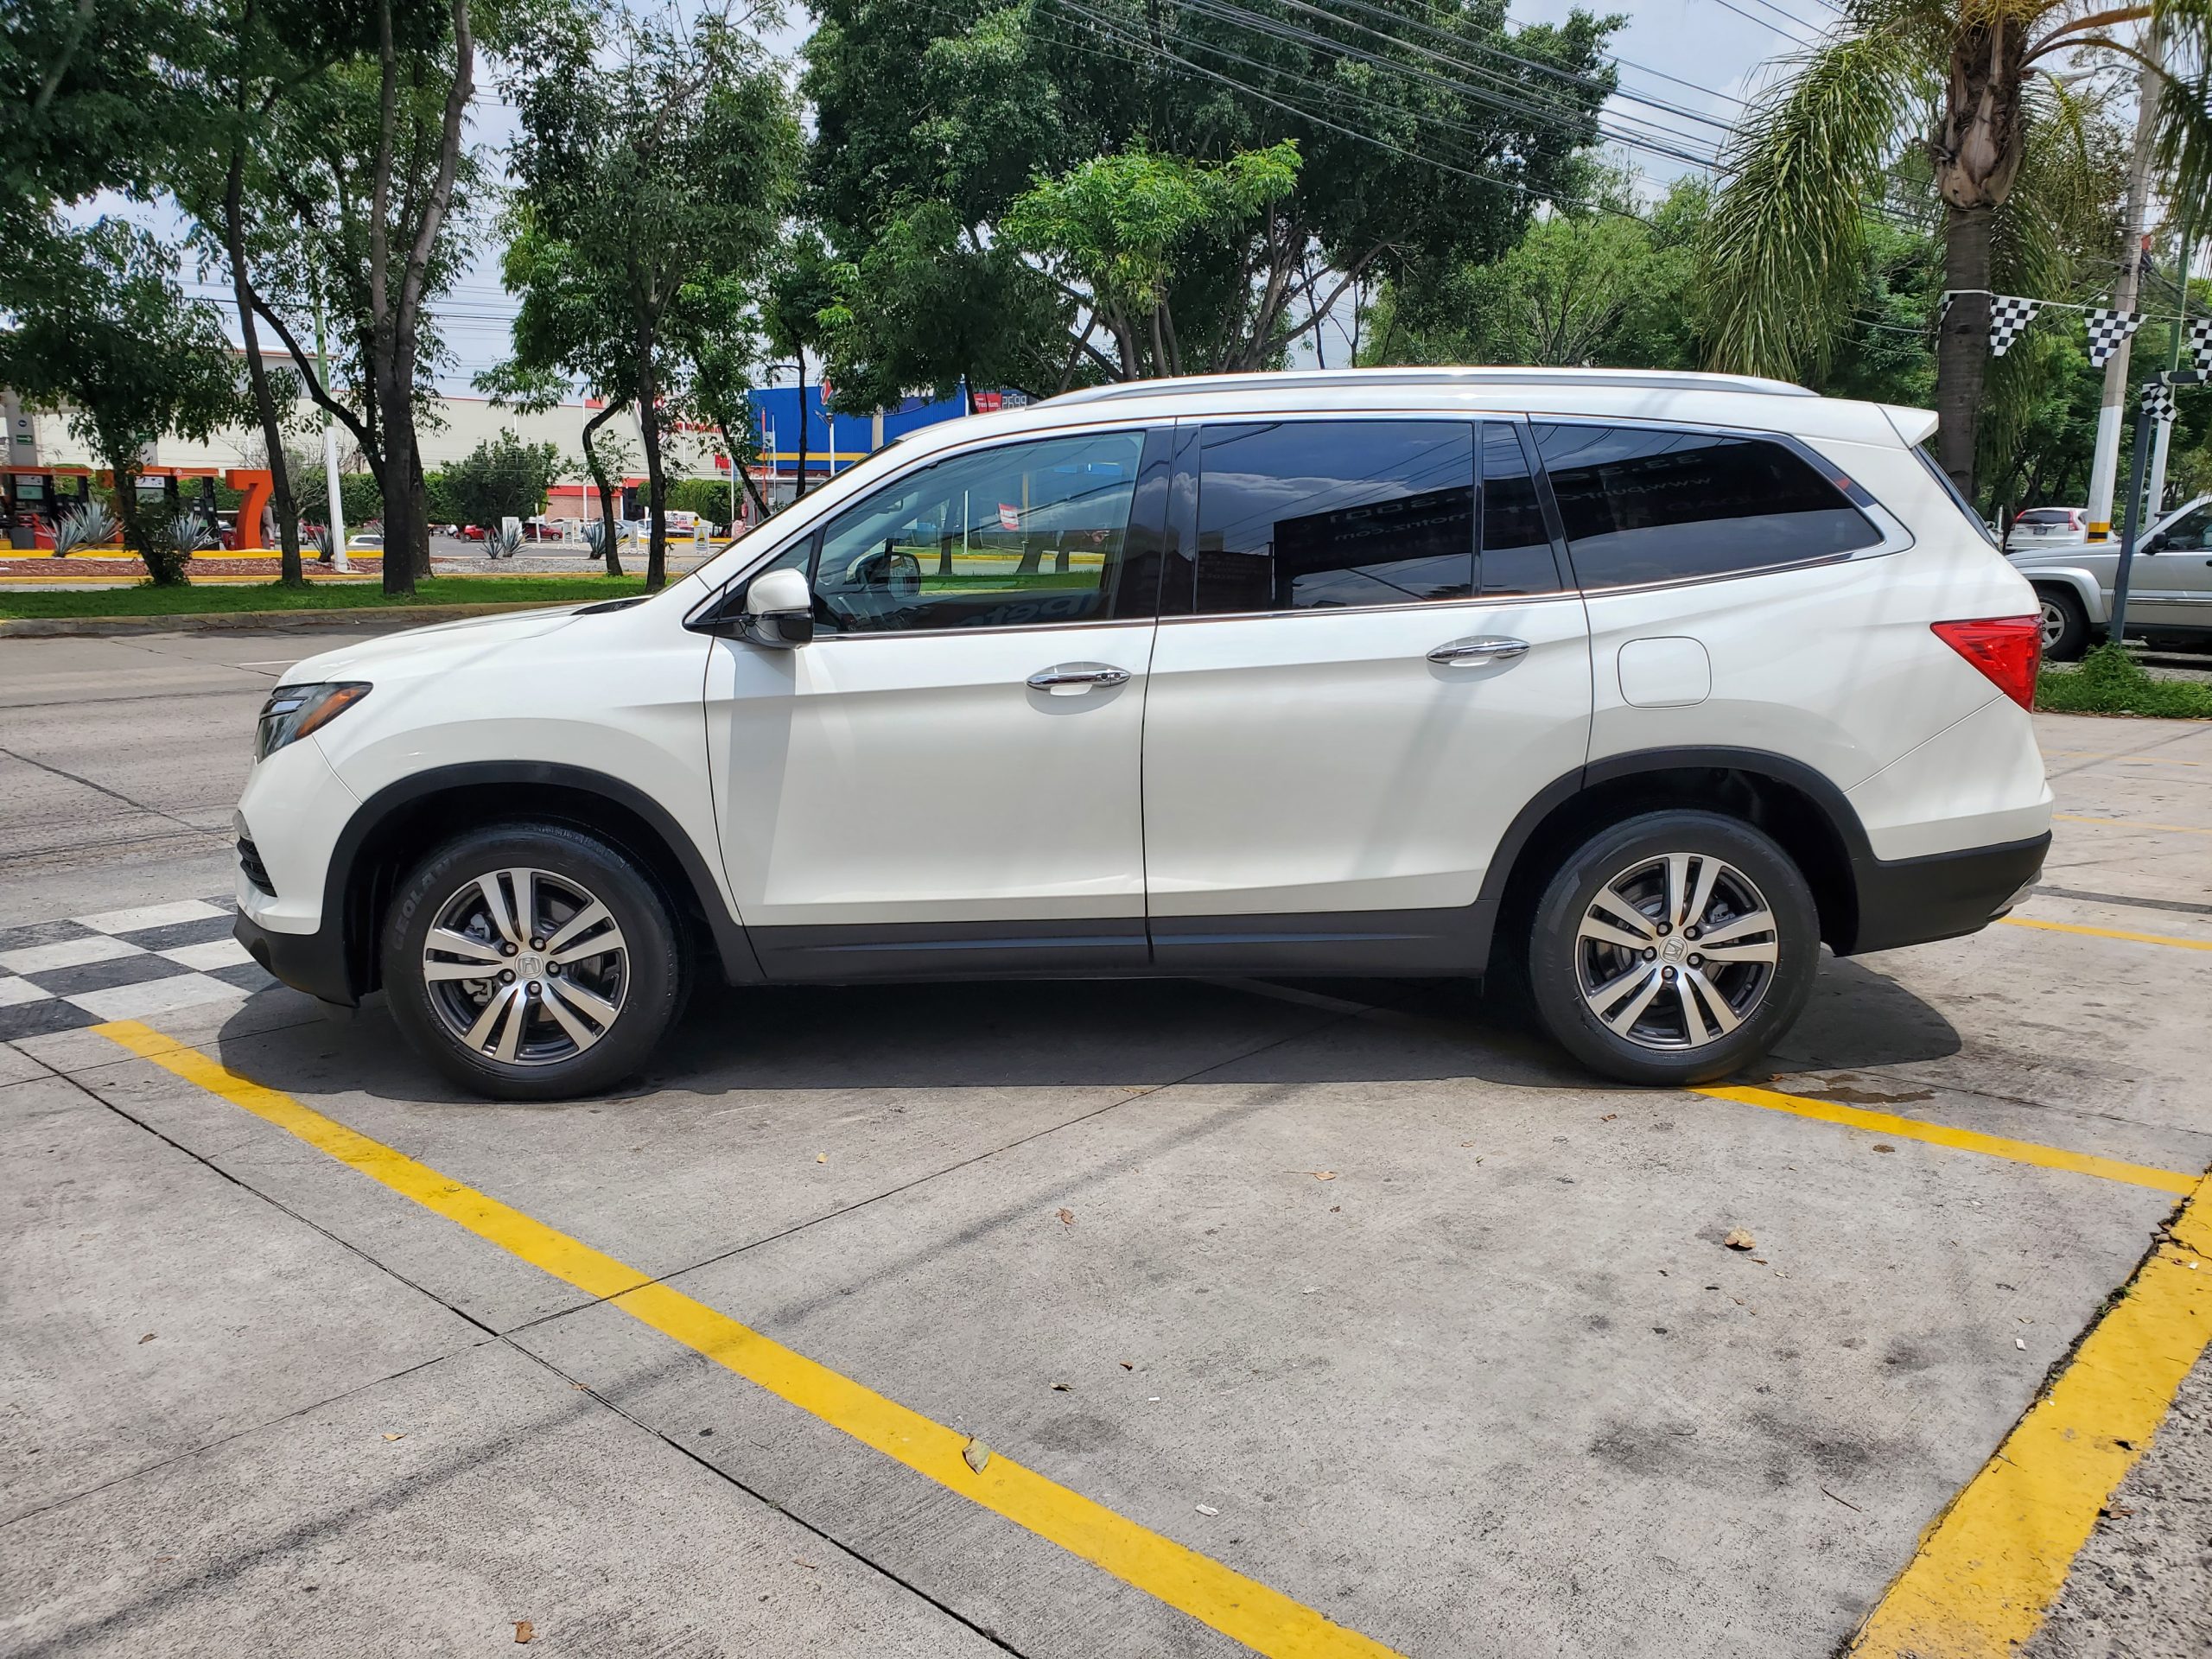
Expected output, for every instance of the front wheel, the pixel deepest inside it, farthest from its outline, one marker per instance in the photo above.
(1674, 948)
(531, 962)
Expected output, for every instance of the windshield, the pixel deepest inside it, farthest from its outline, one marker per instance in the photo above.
(1935, 471)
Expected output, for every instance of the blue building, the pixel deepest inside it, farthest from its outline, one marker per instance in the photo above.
(836, 441)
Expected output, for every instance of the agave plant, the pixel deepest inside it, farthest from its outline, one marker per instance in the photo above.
(322, 540)
(89, 525)
(503, 542)
(1974, 86)
(170, 543)
(595, 537)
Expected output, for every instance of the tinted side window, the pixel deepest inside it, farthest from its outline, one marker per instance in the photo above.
(1306, 515)
(1516, 549)
(2192, 531)
(1642, 504)
(1020, 535)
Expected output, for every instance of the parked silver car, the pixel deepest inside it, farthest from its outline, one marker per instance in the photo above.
(2047, 527)
(2169, 590)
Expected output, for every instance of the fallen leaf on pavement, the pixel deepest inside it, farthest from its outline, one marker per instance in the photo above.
(821, 1157)
(395, 1437)
(1337, 1209)
(1205, 1508)
(1323, 1174)
(976, 1454)
(809, 1565)
(524, 1631)
(1883, 1145)
(1061, 1387)
(1738, 1239)
(1067, 1217)
(1129, 1365)
(143, 1340)
(1609, 1117)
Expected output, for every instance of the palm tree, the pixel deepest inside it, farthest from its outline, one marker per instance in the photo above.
(1974, 87)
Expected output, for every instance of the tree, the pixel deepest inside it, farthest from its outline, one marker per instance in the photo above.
(667, 169)
(802, 292)
(1974, 90)
(1119, 229)
(1594, 284)
(103, 332)
(257, 54)
(501, 478)
(1423, 132)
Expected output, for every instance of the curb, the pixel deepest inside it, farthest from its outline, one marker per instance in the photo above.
(304, 621)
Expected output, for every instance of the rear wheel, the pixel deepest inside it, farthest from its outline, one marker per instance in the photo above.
(1674, 948)
(531, 962)
(2065, 625)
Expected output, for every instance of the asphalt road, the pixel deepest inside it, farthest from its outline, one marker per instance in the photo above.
(1356, 1292)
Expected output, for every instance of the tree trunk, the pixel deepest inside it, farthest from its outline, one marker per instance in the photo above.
(606, 496)
(264, 403)
(751, 490)
(397, 407)
(649, 431)
(1962, 342)
(801, 491)
(420, 552)
(123, 468)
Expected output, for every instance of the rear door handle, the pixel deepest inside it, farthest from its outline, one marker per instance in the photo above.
(1455, 652)
(1073, 679)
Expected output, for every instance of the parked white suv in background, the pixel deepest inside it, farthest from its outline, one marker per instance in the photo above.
(1638, 685)
(2170, 585)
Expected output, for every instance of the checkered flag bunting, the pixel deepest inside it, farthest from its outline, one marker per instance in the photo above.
(2009, 317)
(2106, 329)
(2158, 400)
(2199, 335)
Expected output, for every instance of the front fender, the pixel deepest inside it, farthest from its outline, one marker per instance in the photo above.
(2082, 583)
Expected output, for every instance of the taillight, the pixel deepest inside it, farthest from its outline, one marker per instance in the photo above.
(2007, 649)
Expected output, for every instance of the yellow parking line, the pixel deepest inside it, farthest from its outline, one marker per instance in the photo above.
(2134, 823)
(1241, 1609)
(1942, 1134)
(2108, 933)
(1988, 1568)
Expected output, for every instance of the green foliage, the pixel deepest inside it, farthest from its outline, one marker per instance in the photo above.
(1124, 225)
(2110, 682)
(501, 478)
(1606, 288)
(933, 121)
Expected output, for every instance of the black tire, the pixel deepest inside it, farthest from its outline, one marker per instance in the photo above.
(2065, 625)
(644, 982)
(1753, 876)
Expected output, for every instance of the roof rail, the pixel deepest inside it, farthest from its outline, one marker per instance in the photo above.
(1442, 378)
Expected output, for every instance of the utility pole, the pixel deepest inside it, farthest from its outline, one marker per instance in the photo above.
(2157, 486)
(2104, 466)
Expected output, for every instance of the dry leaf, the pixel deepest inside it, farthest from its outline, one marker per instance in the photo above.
(1067, 1217)
(809, 1565)
(524, 1631)
(1738, 1239)
(976, 1455)
(1337, 1209)
(1205, 1508)
(1323, 1174)
(1609, 1117)
(395, 1437)
(1129, 1365)
(143, 1340)
(1883, 1147)
(821, 1157)
(1061, 1387)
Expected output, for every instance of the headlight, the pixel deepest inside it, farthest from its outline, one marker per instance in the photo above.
(293, 711)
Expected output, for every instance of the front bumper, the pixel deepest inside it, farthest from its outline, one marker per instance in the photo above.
(1916, 900)
(313, 962)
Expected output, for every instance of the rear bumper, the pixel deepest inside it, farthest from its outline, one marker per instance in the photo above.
(313, 962)
(1915, 901)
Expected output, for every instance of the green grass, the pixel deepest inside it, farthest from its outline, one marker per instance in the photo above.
(147, 600)
(2108, 681)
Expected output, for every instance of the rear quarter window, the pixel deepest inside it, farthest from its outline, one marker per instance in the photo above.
(1643, 505)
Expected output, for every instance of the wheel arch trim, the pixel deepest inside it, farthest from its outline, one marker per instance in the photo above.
(341, 889)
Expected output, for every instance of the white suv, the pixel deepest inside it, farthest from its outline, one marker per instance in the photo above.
(1637, 687)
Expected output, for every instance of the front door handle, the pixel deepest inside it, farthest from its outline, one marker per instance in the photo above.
(1073, 679)
(1455, 652)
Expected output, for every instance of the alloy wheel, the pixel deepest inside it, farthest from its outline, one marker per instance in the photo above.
(1675, 951)
(525, 967)
(2054, 625)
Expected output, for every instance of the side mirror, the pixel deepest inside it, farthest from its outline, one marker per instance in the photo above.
(777, 610)
(2155, 543)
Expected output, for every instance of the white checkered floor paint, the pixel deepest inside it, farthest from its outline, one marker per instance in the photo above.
(122, 964)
